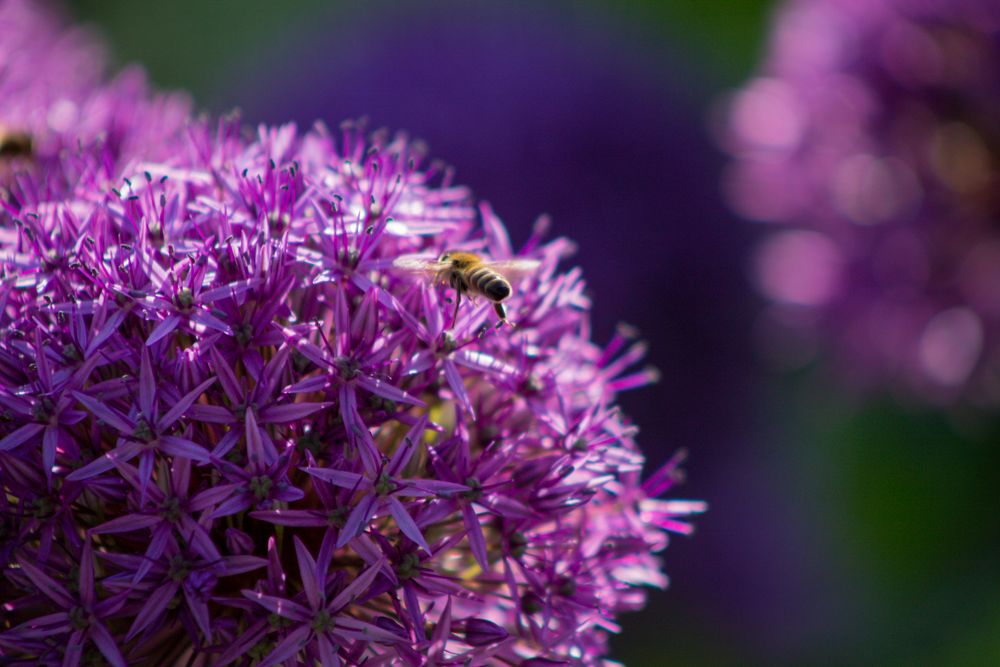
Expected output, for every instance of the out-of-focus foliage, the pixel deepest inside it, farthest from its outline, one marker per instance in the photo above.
(189, 43)
(723, 37)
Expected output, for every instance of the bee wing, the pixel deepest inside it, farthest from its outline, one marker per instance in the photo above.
(514, 269)
(424, 264)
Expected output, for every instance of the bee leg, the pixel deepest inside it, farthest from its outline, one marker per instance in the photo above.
(458, 302)
(501, 313)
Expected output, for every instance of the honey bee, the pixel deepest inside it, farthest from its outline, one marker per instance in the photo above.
(468, 273)
(15, 144)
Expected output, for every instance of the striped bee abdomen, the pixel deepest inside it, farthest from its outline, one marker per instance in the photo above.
(489, 283)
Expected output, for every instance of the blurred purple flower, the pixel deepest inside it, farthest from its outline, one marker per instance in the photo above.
(262, 444)
(53, 91)
(870, 136)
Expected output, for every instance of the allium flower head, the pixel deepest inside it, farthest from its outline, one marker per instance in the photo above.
(871, 136)
(232, 434)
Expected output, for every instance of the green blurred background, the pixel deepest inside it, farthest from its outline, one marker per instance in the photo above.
(841, 531)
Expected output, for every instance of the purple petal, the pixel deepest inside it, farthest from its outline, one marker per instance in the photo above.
(497, 240)
(297, 518)
(275, 573)
(47, 585)
(127, 523)
(474, 531)
(341, 478)
(147, 386)
(180, 476)
(433, 312)
(211, 496)
(210, 321)
(442, 630)
(326, 549)
(199, 539)
(429, 487)
(182, 405)
(482, 362)
(146, 460)
(226, 377)
(365, 322)
(365, 632)
(288, 494)
(386, 390)
(288, 647)
(199, 610)
(105, 414)
(85, 580)
(20, 436)
(229, 440)
(153, 608)
(357, 431)
(241, 564)
(327, 652)
(411, 442)
(243, 642)
(42, 626)
(162, 535)
(232, 289)
(215, 414)
(16, 404)
(506, 506)
(406, 523)
(110, 326)
(171, 444)
(404, 313)
(312, 353)
(256, 451)
(86, 368)
(279, 606)
(358, 520)
(353, 590)
(458, 386)
(307, 569)
(275, 367)
(282, 414)
(237, 503)
(124, 452)
(480, 632)
(317, 383)
(49, 443)
(163, 329)
(74, 650)
(420, 362)
(413, 606)
(238, 542)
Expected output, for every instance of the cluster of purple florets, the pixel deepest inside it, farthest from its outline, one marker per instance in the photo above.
(871, 138)
(230, 433)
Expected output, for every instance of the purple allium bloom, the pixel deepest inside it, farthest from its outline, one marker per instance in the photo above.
(230, 433)
(871, 137)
